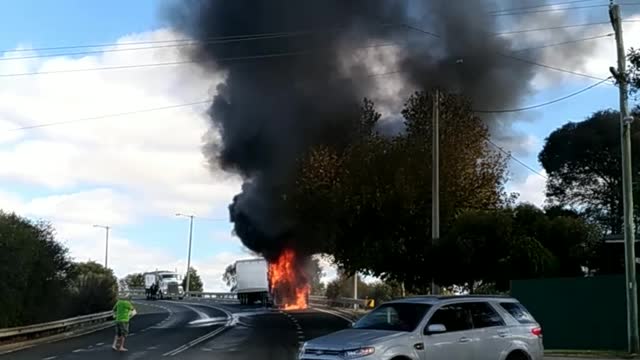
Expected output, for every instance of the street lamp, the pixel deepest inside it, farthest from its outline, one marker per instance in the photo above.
(186, 289)
(106, 250)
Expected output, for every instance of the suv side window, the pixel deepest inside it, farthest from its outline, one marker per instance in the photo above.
(454, 317)
(518, 312)
(484, 315)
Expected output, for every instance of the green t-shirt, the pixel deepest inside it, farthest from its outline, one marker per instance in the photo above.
(122, 309)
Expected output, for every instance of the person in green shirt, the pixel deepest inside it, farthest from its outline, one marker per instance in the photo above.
(123, 311)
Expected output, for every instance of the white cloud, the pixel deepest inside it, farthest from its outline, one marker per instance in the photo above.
(532, 189)
(115, 170)
(154, 155)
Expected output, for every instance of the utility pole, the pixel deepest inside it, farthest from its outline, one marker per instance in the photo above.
(627, 181)
(435, 180)
(186, 289)
(355, 290)
(106, 247)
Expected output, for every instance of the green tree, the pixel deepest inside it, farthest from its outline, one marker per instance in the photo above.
(583, 164)
(230, 277)
(93, 288)
(34, 270)
(135, 280)
(195, 282)
(370, 204)
(486, 249)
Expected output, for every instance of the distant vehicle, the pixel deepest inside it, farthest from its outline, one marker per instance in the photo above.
(252, 281)
(436, 328)
(162, 285)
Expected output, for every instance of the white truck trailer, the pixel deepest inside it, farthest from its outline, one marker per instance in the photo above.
(252, 281)
(162, 285)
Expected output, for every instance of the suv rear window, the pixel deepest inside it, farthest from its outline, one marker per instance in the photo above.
(518, 312)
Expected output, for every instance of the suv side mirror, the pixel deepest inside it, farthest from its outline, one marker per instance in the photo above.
(436, 329)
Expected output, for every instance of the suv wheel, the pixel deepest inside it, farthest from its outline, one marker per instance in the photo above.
(517, 355)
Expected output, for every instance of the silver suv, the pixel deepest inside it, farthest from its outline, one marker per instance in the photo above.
(436, 328)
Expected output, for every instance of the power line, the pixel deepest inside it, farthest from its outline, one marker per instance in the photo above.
(273, 55)
(235, 58)
(539, 6)
(545, 103)
(216, 39)
(508, 153)
(550, 67)
(146, 42)
(560, 9)
(531, 62)
(202, 102)
(174, 43)
(110, 115)
(564, 43)
(133, 112)
(180, 43)
(550, 28)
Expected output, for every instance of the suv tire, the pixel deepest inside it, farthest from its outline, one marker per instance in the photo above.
(518, 355)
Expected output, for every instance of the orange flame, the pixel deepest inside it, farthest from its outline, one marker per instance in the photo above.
(288, 283)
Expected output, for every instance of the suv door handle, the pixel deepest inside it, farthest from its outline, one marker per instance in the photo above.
(503, 333)
(464, 340)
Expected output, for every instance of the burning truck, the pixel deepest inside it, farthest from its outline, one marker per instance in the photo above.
(278, 283)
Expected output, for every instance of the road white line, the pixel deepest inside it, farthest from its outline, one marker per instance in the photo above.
(336, 314)
(192, 343)
(195, 342)
(50, 358)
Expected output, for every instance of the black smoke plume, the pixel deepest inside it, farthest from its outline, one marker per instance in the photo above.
(303, 84)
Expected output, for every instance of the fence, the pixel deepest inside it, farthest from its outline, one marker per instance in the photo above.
(586, 313)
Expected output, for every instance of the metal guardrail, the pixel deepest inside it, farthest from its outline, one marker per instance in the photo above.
(191, 294)
(322, 300)
(339, 302)
(58, 325)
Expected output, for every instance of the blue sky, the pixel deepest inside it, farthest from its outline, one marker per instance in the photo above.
(153, 232)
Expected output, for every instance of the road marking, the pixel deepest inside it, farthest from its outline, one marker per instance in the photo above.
(50, 358)
(99, 344)
(195, 342)
(201, 314)
(337, 314)
(230, 322)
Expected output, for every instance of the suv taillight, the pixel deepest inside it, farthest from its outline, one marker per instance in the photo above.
(537, 331)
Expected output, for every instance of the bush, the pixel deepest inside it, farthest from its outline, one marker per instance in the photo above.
(92, 289)
(35, 272)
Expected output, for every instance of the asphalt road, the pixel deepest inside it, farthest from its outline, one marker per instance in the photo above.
(160, 328)
(198, 331)
(266, 335)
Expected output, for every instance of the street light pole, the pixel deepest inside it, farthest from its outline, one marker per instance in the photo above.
(106, 248)
(186, 289)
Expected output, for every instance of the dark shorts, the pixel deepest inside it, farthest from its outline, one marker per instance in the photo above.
(122, 328)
